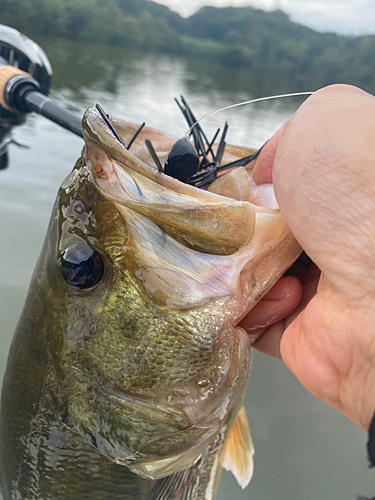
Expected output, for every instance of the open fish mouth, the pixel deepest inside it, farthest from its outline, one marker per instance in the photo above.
(190, 245)
(188, 251)
(200, 219)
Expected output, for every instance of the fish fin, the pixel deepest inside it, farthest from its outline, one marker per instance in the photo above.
(239, 450)
(178, 486)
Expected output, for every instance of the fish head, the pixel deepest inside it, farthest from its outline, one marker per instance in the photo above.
(147, 278)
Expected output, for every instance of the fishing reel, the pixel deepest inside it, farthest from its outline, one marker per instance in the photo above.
(25, 80)
(30, 63)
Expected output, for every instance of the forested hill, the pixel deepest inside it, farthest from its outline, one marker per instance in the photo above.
(267, 43)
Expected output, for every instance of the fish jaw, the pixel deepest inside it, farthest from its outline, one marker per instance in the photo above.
(166, 363)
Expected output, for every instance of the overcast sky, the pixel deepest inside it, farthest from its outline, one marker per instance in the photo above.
(354, 17)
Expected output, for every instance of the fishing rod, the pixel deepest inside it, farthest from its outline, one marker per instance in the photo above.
(25, 80)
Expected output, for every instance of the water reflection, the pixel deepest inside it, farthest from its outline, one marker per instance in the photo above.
(303, 448)
(127, 81)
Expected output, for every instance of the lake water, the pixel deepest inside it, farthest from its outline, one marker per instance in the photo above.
(303, 448)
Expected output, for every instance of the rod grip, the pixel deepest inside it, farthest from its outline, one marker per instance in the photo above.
(6, 74)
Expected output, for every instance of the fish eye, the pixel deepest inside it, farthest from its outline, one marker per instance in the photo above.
(182, 161)
(81, 266)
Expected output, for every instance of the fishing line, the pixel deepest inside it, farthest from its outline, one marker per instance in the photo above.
(259, 99)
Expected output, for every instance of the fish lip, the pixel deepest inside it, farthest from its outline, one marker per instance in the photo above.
(92, 117)
(96, 131)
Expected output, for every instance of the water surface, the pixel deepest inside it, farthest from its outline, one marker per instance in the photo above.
(304, 449)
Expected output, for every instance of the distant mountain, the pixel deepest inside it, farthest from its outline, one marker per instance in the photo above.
(268, 44)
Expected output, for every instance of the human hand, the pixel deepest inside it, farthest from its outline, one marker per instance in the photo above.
(322, 164)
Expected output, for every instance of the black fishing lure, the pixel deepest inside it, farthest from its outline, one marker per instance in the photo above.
(199, 165)
(195, 164)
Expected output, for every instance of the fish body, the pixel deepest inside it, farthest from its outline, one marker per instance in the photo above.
(126, 374)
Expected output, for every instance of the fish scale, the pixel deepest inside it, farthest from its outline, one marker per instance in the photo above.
(176, 348)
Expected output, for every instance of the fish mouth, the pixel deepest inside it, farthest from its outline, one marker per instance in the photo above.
(192, 245)
(201, 220)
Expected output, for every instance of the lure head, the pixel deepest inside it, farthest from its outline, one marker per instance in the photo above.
(143, 281)
(182, 161)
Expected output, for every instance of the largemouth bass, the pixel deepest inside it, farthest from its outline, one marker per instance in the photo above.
(127, 372)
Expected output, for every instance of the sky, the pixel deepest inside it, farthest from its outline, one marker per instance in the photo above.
(348, 17)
